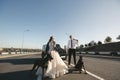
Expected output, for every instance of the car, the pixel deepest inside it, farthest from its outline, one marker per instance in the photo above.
(58, 48)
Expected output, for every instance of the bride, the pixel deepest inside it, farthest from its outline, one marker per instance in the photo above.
(56, 67)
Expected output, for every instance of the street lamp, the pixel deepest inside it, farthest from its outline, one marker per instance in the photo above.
(23, 39)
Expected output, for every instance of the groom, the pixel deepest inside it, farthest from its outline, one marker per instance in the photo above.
(71, 49)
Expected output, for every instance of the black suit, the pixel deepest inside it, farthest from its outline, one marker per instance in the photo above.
(71, 51)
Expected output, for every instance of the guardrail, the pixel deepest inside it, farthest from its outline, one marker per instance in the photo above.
(113, 53)
(5, 53)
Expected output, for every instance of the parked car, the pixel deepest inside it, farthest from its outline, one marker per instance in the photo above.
(58, 48)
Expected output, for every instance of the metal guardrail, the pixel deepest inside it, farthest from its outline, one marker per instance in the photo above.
(101, 53)
(5, 53)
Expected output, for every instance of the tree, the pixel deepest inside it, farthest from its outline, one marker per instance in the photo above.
(108, 39)
(89, 44)
(99, 42)
(92, 43)
(86, 45)
(118, 37)
(81, 46)
(95, 44)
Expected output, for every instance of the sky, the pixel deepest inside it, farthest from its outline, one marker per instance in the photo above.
(30, 23)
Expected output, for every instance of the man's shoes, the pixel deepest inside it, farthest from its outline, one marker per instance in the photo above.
(69, 66)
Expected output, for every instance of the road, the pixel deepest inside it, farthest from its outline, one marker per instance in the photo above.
(99, 68)
(105, 67)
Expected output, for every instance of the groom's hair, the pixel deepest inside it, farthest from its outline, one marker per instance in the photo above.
(70, 36)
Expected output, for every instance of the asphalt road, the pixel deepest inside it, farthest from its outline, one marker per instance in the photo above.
(17, 67)
(106, 67)
(99, 68)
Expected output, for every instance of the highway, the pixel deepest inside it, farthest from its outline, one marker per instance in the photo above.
(98, 68)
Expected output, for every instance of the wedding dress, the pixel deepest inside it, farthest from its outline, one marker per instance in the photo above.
(56, 67)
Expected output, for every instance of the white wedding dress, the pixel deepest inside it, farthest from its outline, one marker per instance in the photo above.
(56, 67)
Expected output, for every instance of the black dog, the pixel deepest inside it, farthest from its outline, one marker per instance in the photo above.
(78, 66)
(42, 62)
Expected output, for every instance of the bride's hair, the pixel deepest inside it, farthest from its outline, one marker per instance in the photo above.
(47, 46)
(51, 37)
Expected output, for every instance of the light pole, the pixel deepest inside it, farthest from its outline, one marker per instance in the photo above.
(23, 39)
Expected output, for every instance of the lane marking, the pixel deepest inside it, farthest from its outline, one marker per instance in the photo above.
(91, 74)
(95, 75)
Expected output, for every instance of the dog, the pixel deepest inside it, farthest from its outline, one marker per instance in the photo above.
(42, 61)
(79, 66)
(41, 64)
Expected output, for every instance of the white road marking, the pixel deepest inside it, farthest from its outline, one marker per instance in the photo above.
(94, 75)
(91, 74)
